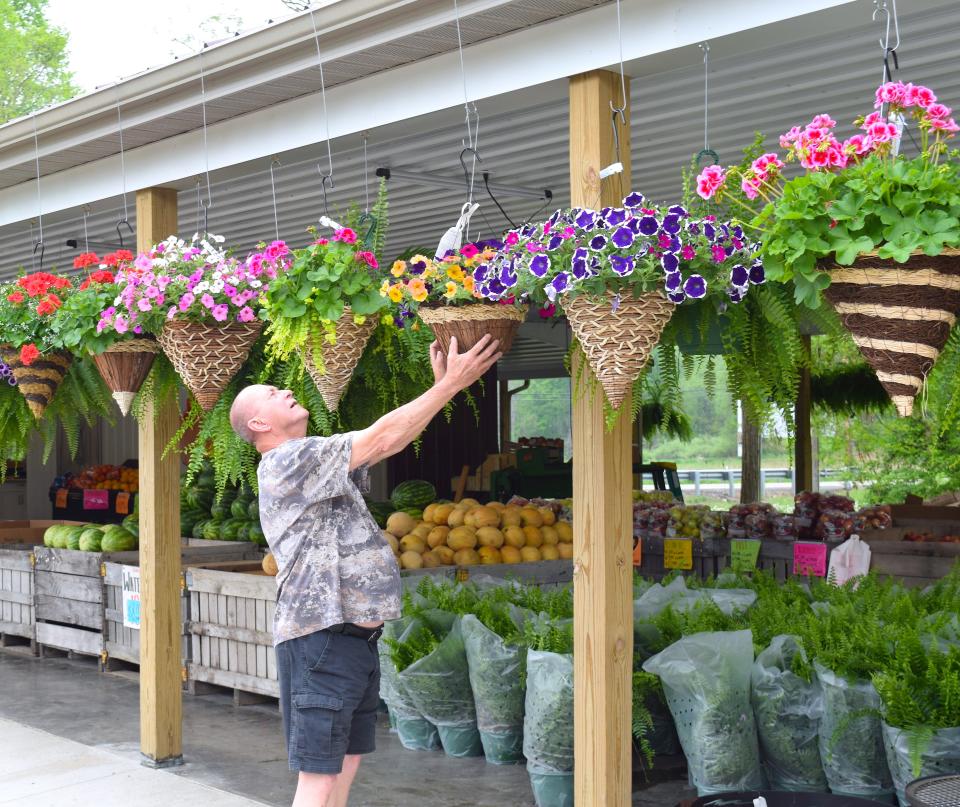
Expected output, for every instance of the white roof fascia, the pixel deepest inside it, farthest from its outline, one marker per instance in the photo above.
(523, 59)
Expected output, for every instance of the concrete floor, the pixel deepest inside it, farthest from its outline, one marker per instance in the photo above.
(240, 749)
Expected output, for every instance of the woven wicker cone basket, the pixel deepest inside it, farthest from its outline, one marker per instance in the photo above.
(618, 344)
(124, 368)
(469, 323)
(339, 360)
(38, 382)
(207, 357)
(899, 314)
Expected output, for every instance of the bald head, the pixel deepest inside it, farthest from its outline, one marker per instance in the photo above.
(243, 410)
(265, 416)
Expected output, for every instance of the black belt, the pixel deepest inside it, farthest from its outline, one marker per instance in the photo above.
(349, 629)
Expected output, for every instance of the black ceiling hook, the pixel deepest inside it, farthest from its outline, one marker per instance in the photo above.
(325, 180)
(124, 223)
(466, 171)
(39, 245)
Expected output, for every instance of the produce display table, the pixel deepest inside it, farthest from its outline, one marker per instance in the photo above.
(709, 558)
(95, 506)
(546, 573)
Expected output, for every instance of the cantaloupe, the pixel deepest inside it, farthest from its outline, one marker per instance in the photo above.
(466, 557)
(531, 517)
(392, 540)
(510, 554)
(400, 524)
(462, 538)
(437, 536)
(548, 516)
(530, 554)
(412, 543)
(445, 553)
(498, 506)
(489, 555)
(411, 560)
(510, 517)
(490, 536)
(422, 530)
(428, 512)
(513, 536)
(565, 550)
(482, 517)
(457, 517)
(468, 503)
(533, 536)
(430, 560)
(565, 531)
(549, 552)
(269, 564)
(550, 536)
(442, 513)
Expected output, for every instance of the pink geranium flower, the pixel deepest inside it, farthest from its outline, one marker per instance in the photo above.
(346, 235)
(822, 122)
(918, 96)
(940, 125)
(710, 181)
(890, 93)
(938, 111)
(788, 139)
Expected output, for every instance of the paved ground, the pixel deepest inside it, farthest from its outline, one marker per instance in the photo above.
(70, 735)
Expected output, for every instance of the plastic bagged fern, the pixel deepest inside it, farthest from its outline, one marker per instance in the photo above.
(851, 739)
(913, 755)
(787, 708)
(548, 727)
(706, 680)
(416, 733)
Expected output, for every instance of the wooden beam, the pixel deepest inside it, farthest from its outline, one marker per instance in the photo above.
(803, 443)
(161, 621)
(602, 482)
(750, 461)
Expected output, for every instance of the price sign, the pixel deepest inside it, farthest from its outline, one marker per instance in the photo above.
(638, 553)
(810, 558)
(677, 553)
(61, 498)
(96, 499)
(744, 554)
(123, 503)
(131, 597)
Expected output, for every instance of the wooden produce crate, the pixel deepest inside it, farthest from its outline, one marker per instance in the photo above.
(546, 573)
(917, 563)
(123, 643)
(231, 629)
(709, 558)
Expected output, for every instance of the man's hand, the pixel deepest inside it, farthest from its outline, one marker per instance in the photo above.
(463, 369)
(438, 361)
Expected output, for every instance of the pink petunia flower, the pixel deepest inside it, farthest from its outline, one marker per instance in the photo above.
(688, 252)
(207, 301)
(170, 314)
(121, 324)
(152, 292)
(186, 301)
(719, 253)
(246, 314)
(220, 312)
(144, 304)
(469, 251)
(511, 240)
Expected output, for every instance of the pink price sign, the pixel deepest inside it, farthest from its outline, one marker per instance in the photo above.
(96, 499)
(810, 558)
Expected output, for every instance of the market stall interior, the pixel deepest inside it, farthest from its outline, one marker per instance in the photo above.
(482, 130)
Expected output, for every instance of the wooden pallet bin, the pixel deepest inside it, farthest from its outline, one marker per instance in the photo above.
(709, 559)
(16, 594)
(231, 628)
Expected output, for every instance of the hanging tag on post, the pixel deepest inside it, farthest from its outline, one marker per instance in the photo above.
(123, 503)
(638, 552)
(810, 558)
(96, 499)
(678, 553)
(61, 498)
(610, 170)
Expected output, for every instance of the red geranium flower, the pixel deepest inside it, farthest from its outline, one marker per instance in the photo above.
(85, 259)
(29, 354)
(16, 297)
(103, 276)
(49, 304)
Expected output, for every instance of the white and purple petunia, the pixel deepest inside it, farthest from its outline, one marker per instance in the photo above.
(540, 265)
(739, 276)
(757, 273)
(634, 200)
(673, 281)
(615, 217)
(649, 225)
(695, 287)
(622, 237)
(598, 242)
(621, 264)
(671, 224)
(669, 262)
(676, 297)
(557, 286)
(586, 219)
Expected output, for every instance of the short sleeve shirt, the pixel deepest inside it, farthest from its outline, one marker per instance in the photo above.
(334, 565)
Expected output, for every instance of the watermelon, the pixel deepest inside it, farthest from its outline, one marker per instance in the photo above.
(240, 507)
(118, 541)
(205, 479)
(231, 529)
(414, 494)
(243, 534)
(90, 541)
(380, 511)
(256, 535)
(219, 511)
(414, 512)
(253, 510)
(198, 528)
(88, 537)
(50, 534)
(211, 530)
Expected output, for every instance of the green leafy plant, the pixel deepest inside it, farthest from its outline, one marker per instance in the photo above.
(27, 308)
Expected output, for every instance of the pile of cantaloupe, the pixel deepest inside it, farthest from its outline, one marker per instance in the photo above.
(469, 533)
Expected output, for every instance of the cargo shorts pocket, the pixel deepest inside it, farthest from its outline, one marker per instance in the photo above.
(318, 717)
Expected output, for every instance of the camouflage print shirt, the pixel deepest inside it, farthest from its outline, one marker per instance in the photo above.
(334, 563)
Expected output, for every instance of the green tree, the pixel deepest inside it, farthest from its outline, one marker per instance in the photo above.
(33, 59)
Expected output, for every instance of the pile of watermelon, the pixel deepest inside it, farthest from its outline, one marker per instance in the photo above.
(409, 497)
(236, 517)
(91, 537)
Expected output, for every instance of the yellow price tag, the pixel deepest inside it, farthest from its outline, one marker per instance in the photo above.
(677, 553)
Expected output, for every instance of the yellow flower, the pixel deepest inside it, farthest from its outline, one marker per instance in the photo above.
(455, 273)
(417, 289)
(396, 293)
(488, 254)
(398, 268)
(384, 288)
(468, 283)
(451, 289)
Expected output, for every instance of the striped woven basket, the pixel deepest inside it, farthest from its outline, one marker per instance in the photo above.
(39, 381)
(469, 323)
(340, 359)
(899, 314)
(124, 367)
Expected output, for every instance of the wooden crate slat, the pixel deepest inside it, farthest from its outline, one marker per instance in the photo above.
(70, 586)
(219, 582)
(71, 612)
(16, 597)
(241, 635)
(247, 683)
(16, 560)
(80, 641)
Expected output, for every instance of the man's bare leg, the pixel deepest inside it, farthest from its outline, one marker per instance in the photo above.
(341, 791)
(315, 789)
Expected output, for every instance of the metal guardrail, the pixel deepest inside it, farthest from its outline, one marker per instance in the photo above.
(731, 477)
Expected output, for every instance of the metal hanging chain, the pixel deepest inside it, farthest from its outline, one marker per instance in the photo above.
(206, 151)
(273, 191)
(38, 245)
(706, 151)
(366, 174)
(86, 240)
(201, 212)
(123, 165)
(890, 17)
(470, 110)
(328, 177)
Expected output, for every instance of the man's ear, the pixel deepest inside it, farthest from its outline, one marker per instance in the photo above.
(258, 425)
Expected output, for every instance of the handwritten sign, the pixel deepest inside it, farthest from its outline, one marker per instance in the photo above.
(810, 558)
(131, 597)
(96, 499)
(61, 498)
(677, 553)
(123, 503)
(638, 553)
(744, 554)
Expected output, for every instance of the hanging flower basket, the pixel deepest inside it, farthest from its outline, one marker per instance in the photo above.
(207, 357)
(618, 340)
(38, 381)
(340, 359)
(899, 314)
(124, 367)
(470, 322)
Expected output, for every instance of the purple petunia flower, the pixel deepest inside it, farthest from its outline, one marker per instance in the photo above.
(649, 225)
(695, 287)
(598, 242)
(554, 242)
(417, 267)
(673, 281)
(621, 264)
(616, 217)
(709, 231)
(495, 288)
(669, 262)
(678, 210)
(642, 249)
(480, 273)
(579, 268)
(693, 228)
(634, 225)
(757, 273)
(676, 297)
(586, 219)
(735, 294)
(508, 274)
(671, 224)
(739, 276)
(622, 237)
(738, 232)
(557, 286)
(539, 265)
(615, 303)
(633, 200)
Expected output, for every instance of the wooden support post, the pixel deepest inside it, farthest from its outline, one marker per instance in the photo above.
(803, 444)
(750, 463)
(603, 524)
(161, 622)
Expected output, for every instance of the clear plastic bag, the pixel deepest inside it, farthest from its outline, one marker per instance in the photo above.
(438, 683)
(548, 725)
(851, 739)
(788, 711)
(938, 753)
(496, 678)
(656, 598)
(416, 733)
(706, 679)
